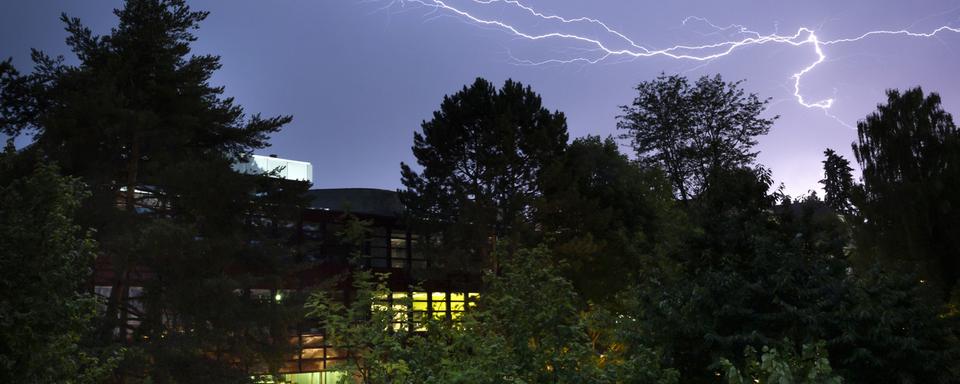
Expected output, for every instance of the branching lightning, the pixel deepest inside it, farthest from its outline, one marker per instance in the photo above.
(631, 49)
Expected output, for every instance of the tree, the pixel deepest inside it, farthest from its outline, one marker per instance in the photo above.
(481, 156)
(527, 328)
(837, 182)
(138, 121)
(889, 328)
(361, 323)
(783, 366)
(692, 131)
(602, 215)
(749, 273)
(46, 313)
(909, 151)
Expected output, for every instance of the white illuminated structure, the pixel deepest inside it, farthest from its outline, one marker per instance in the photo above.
(284, 168)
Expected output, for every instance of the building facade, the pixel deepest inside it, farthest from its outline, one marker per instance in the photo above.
(390, 247)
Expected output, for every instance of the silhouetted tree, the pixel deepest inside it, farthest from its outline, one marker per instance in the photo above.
(909, 150)
(837, 182)
(481, 155)
(139, 122)
(602, 215)
(692, 131)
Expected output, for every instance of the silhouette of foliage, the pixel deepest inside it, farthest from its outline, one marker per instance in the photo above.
(837, 182)
(481, 156)
(909, 150)
(138, 121)
(692, 131)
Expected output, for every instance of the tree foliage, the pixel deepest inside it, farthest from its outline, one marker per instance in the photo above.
(783, 366)
(692, 131)
(909, 150)
(838, 186)
(46, 312)
(139, 122)
(602, 215)
(481, 155)
(527, 328)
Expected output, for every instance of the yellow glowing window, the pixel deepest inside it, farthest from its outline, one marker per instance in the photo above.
(438, 296)
(399, 295)
(439, 306)
(420, 296)
(456, 306)
(419, 305)
(456, 297)
(472, 299)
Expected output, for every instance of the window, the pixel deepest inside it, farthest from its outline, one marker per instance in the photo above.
(315, 354)
(397, 303)
(417, 259)
(398, 250)
(377, 247)
(427, 305)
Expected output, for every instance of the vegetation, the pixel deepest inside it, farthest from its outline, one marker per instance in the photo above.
(137, 121)
(46, 312)
(909, 150)
(693, 131)
(684, 265)
(482, 155)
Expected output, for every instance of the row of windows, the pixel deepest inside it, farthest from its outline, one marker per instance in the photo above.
(384, 248)
(415, 308)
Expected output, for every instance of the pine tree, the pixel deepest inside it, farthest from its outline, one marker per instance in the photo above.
(138, 121)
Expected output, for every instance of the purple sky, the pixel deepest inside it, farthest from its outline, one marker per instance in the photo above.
(360, 76)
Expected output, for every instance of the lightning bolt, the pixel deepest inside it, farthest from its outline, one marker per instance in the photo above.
(632, 50)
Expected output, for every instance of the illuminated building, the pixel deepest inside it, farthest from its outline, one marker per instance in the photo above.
(390, 247)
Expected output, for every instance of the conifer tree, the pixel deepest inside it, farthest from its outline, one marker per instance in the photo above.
(139, 122)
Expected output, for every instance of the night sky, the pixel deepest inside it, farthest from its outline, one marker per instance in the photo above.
(360, 76)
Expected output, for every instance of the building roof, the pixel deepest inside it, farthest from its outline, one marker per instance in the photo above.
(370, 201)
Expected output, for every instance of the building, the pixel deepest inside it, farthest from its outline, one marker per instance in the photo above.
(390, 247)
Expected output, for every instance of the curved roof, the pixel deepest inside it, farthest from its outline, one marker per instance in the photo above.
(357, 200)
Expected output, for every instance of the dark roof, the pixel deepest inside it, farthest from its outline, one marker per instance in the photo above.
(357, 200)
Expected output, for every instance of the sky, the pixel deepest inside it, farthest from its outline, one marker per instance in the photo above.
(359, 76)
